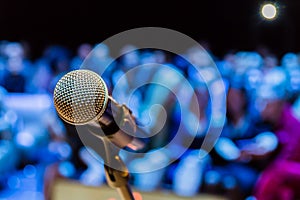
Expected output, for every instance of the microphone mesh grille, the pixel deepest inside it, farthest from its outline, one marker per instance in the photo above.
(80, 96)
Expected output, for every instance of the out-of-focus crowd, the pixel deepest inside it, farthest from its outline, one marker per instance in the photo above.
(257, 155)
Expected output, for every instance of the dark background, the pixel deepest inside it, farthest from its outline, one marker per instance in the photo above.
(225, 25)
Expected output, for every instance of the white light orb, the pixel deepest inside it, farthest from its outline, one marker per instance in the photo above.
(269, 11)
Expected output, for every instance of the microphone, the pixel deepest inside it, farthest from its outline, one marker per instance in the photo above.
(81, 98)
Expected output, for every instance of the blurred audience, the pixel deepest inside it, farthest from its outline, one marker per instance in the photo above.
(280, 180)
(256, 156)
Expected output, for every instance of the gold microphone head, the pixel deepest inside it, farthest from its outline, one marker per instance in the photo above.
(80, 96)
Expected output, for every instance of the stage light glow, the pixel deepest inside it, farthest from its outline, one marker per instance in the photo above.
(269, 11)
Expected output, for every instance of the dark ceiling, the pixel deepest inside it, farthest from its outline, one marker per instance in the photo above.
(225, 25)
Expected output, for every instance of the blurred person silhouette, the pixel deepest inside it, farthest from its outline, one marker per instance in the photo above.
(270, 61)
(2, 61)
(14, 80)
(147, 69)
(149, 171)
(242, 67)
(247, 60)
(199, 57)
(254, 76)
(166, 82)
(142, 71)
(59, 61)
(201, 81)
(185, 140)
(130, 60)
(227, 65)
(165, 123)
(5, 123)
(82, 52)
(290, 63)
(100, 61)
(9, 154)
(20, 51)
(70, 159)
(290, 60)
(162, 125)
(248, 64)
(52, 63)
(250, 74)
(14, 50)
(281, 179)
(41, 78)
(190, 164)
(236, 156)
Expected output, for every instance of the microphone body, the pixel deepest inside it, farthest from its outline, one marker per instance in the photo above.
(81, 98)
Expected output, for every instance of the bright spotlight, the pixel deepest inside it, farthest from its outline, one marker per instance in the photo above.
(269, 11)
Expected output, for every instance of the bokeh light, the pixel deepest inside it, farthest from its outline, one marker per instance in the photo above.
(269, 11)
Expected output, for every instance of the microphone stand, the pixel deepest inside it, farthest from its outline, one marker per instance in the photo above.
(108, 147)
(116, 179)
